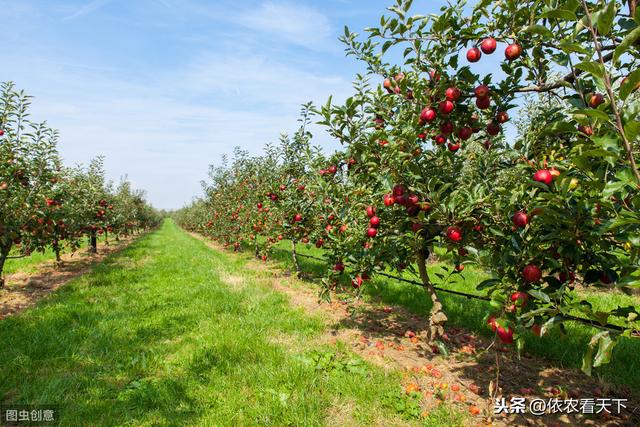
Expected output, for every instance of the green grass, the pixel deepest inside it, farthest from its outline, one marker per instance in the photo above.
(156, 335)
(564, 351)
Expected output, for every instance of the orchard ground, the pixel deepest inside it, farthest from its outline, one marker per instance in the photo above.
(161, 334)
(169, 331)
(564, 350)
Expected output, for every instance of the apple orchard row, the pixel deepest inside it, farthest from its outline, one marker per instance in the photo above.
(44, 204)
(546, 208)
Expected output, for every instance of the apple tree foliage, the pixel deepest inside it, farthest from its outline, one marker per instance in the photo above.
(430, 157)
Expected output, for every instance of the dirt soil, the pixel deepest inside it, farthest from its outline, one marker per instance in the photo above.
(475, 369)
(25, 290)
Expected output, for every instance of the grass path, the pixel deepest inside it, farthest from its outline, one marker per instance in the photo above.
(169, 332)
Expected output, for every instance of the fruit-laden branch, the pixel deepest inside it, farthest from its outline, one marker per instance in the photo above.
(582, 320)
(569, 78)
(611, 95)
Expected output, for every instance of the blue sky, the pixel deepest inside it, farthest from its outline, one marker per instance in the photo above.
(163, 88)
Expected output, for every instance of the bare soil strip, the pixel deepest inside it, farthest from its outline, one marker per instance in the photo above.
(466, 377)
(25, 290)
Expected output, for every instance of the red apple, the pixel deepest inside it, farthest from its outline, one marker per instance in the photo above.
(372, 232)
(465, 133)
(297, 218)
(565, 277)
(389, 200)
(595, 100)
(519, 298)
(453, 147)
(491, 321)
(543, 175)
(483, 103)
(374, 221)
(339, 267)
(520, 219)
(473, 54)
(513, 51)
(502, 117)
(428, 114)
(505, 335)
(454, 233)
(357, 283)
(440, 139)
(332, 169)
(446, 107)
(586, 130)
(488, 45)
(446, 128)
(536, 329)
(493, 128)
(531, 273)
(482, 91)
(399, 190)
(452, 94)
(371, 211)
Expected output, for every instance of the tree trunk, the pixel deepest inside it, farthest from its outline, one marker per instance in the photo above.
(255, 241)
(106, 238)
(93, 243)
(294, 255)
(4, 253)
(56, 249)
(437, 318)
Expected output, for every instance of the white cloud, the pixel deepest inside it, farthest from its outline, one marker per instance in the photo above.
(163, 125)
(258, 79)
(164, 133)
(295, 23)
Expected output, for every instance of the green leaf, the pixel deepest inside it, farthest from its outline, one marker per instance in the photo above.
(559, 127)
(569, 47)
(539, 295)
(550, 324)
(626, 43)
(593, 68)
(612, 187)
(587, 361)
(539, 29)
(630, 84)
(632, 129)
(629, 281)
(487, 283)
(562, 14)
(603, 19)
(604, 343)
(593, 113)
